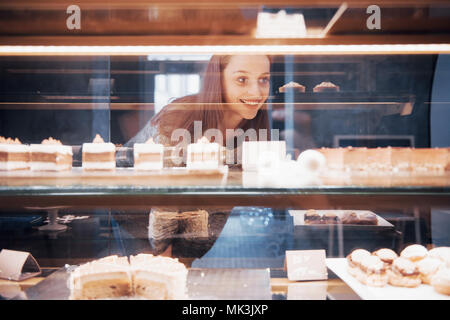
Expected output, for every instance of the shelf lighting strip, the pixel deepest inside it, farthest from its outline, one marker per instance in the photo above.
(229, 49)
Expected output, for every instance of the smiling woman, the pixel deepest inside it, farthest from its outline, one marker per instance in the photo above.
(232, 96)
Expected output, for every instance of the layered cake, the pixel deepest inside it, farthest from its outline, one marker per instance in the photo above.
(158, 278)
(294, 86)
(355, 159)
(401, 158)
(50, 155)
(13, 154)
(254, 151)
(203, 155)
(99, 155)
(148, 155)
(378, 158)
(326, 87)
(105, 278)
(144, 276)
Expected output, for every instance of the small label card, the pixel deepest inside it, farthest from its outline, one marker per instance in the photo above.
(306, 265)
(18, 265)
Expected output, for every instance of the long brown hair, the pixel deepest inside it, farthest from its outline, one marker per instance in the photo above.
(206, 106)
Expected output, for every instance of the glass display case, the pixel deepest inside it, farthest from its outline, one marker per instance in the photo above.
(351, 82)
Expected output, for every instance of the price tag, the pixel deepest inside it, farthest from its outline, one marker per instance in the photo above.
(18, 265)
(304, 265)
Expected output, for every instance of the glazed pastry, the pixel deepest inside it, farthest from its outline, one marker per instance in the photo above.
(373, 272)
(404, 273)
(312, 217)
(387, 256)
(354, 261)
(428, 268)
(441, 253)
(414, 252)
(349, 217)
(441, 281)
(367, 218)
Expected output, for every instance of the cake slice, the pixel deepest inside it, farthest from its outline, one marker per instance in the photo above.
(203, 155)
(378, 159)
(98, 155)
(148, 155)
(105, 278)
(158, 278)
(50, 155)
(13, 154)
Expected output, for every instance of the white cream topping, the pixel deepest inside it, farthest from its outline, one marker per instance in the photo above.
(98, 147)
(50, 148)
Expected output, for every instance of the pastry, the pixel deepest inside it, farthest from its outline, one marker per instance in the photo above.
(254, 151)
(414, 252)
(203, 155)
(292, 86)
(367, 218)
(148, 155)
(441, 253)
(441, 281)
(98, 155)
(404, 273)
(13, 155)
(312, 217)
(354, 260)
(50, 155)
(334, 157)
(355, 159)
(373, 271)
(428, 159)
(387, 256)
(349, 217)
(428, 267)
(330, 218)
(326, 87)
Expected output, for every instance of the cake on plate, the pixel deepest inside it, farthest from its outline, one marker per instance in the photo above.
(203, 155)
(50, 155)
(13, 154)
(148, 155)
(98, 155)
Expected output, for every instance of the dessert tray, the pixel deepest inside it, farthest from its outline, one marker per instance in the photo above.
(299, 219)
(388, 292)
(202, 284)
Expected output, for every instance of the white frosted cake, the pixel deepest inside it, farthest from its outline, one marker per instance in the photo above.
(148, 155)
(203, 155)
(144, 276)
(50, 155)
(252, 151)
(13, 154)
(109, 277)
(98, 155)
(158, 278)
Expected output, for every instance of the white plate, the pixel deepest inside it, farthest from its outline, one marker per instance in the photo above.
(388, 292)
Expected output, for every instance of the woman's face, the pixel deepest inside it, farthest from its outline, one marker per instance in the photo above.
(246, 82)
